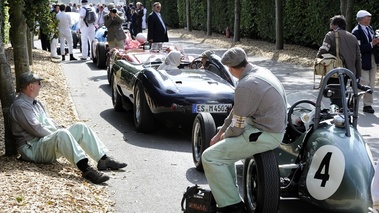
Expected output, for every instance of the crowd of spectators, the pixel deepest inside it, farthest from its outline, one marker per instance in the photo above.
(134, 16)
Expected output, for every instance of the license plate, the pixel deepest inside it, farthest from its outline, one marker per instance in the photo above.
(211, 108)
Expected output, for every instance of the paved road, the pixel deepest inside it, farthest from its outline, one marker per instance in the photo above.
(160, 164)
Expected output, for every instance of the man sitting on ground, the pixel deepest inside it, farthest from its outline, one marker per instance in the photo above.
(40, 140)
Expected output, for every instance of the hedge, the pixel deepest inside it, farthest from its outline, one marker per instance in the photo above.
(305, 21)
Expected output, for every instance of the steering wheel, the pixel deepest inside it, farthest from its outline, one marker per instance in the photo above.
(302, 115)
(196, 63)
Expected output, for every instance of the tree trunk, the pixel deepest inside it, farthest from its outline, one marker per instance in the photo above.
(343, 7)
(209, 18)
(7, 93)
(279, 25)
(349, 15)
(188, 13)
(237, 20)
(30, 40)
(19, 41)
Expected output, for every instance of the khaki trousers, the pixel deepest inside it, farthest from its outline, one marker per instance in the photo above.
(72, 143)
(218, 162)
(368, 77)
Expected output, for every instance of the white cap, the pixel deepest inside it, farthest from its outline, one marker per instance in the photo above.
(363, 13)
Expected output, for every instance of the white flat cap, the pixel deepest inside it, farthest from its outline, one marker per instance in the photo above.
(233, 57)
(363, 13)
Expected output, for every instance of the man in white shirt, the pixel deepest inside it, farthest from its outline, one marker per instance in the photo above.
(87, 32)
(64, 26)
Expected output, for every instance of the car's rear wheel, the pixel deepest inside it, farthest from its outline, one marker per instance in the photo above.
(143, 117)
(116, 97)
(101, 57)
(261, 183)
(74, 40)
(203, 130)
(93, 55)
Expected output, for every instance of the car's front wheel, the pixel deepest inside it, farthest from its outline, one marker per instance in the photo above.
(203, 130)
(143, 117)
(261, 183)
(116, 97)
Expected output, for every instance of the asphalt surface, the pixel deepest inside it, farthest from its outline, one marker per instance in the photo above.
(160, 164)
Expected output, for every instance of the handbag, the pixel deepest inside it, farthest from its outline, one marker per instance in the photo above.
(327, 63)
(198, 200)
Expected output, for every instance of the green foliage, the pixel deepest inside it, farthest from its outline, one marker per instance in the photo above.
(38, 12)
(170, 13)
(305, 22)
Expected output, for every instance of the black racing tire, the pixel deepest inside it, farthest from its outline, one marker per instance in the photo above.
(109, 68)
(101, 55)
(80, 43)
(116, 97)
(109, 75)
(261, 183)
(203, 129)
(143, 117)
(93, 55)
(74, 40)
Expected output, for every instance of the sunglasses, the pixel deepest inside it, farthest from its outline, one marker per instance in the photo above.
(38, 82)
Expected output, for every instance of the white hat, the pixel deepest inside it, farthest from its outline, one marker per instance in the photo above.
(363, 13)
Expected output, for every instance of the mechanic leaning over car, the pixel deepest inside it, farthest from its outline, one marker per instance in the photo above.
(116, 36)
(64, 26)
(255, 124)
(40, 140)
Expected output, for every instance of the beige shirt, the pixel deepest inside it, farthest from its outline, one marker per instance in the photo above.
(259, 97)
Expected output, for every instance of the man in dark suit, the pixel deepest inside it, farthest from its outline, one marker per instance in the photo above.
(370, 57)
(156, 28)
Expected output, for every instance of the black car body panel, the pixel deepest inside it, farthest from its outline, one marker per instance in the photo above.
(176, 94)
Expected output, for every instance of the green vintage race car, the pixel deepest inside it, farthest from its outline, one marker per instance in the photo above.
(322, 160)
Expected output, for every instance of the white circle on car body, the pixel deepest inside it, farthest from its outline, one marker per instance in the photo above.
(325, 172)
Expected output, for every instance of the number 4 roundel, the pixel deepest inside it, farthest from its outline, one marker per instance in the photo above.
(326, 172)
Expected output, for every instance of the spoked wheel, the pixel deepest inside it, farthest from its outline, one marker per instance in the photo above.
(143, 117)
(203, 130)
(116, 97)
(261, 183)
